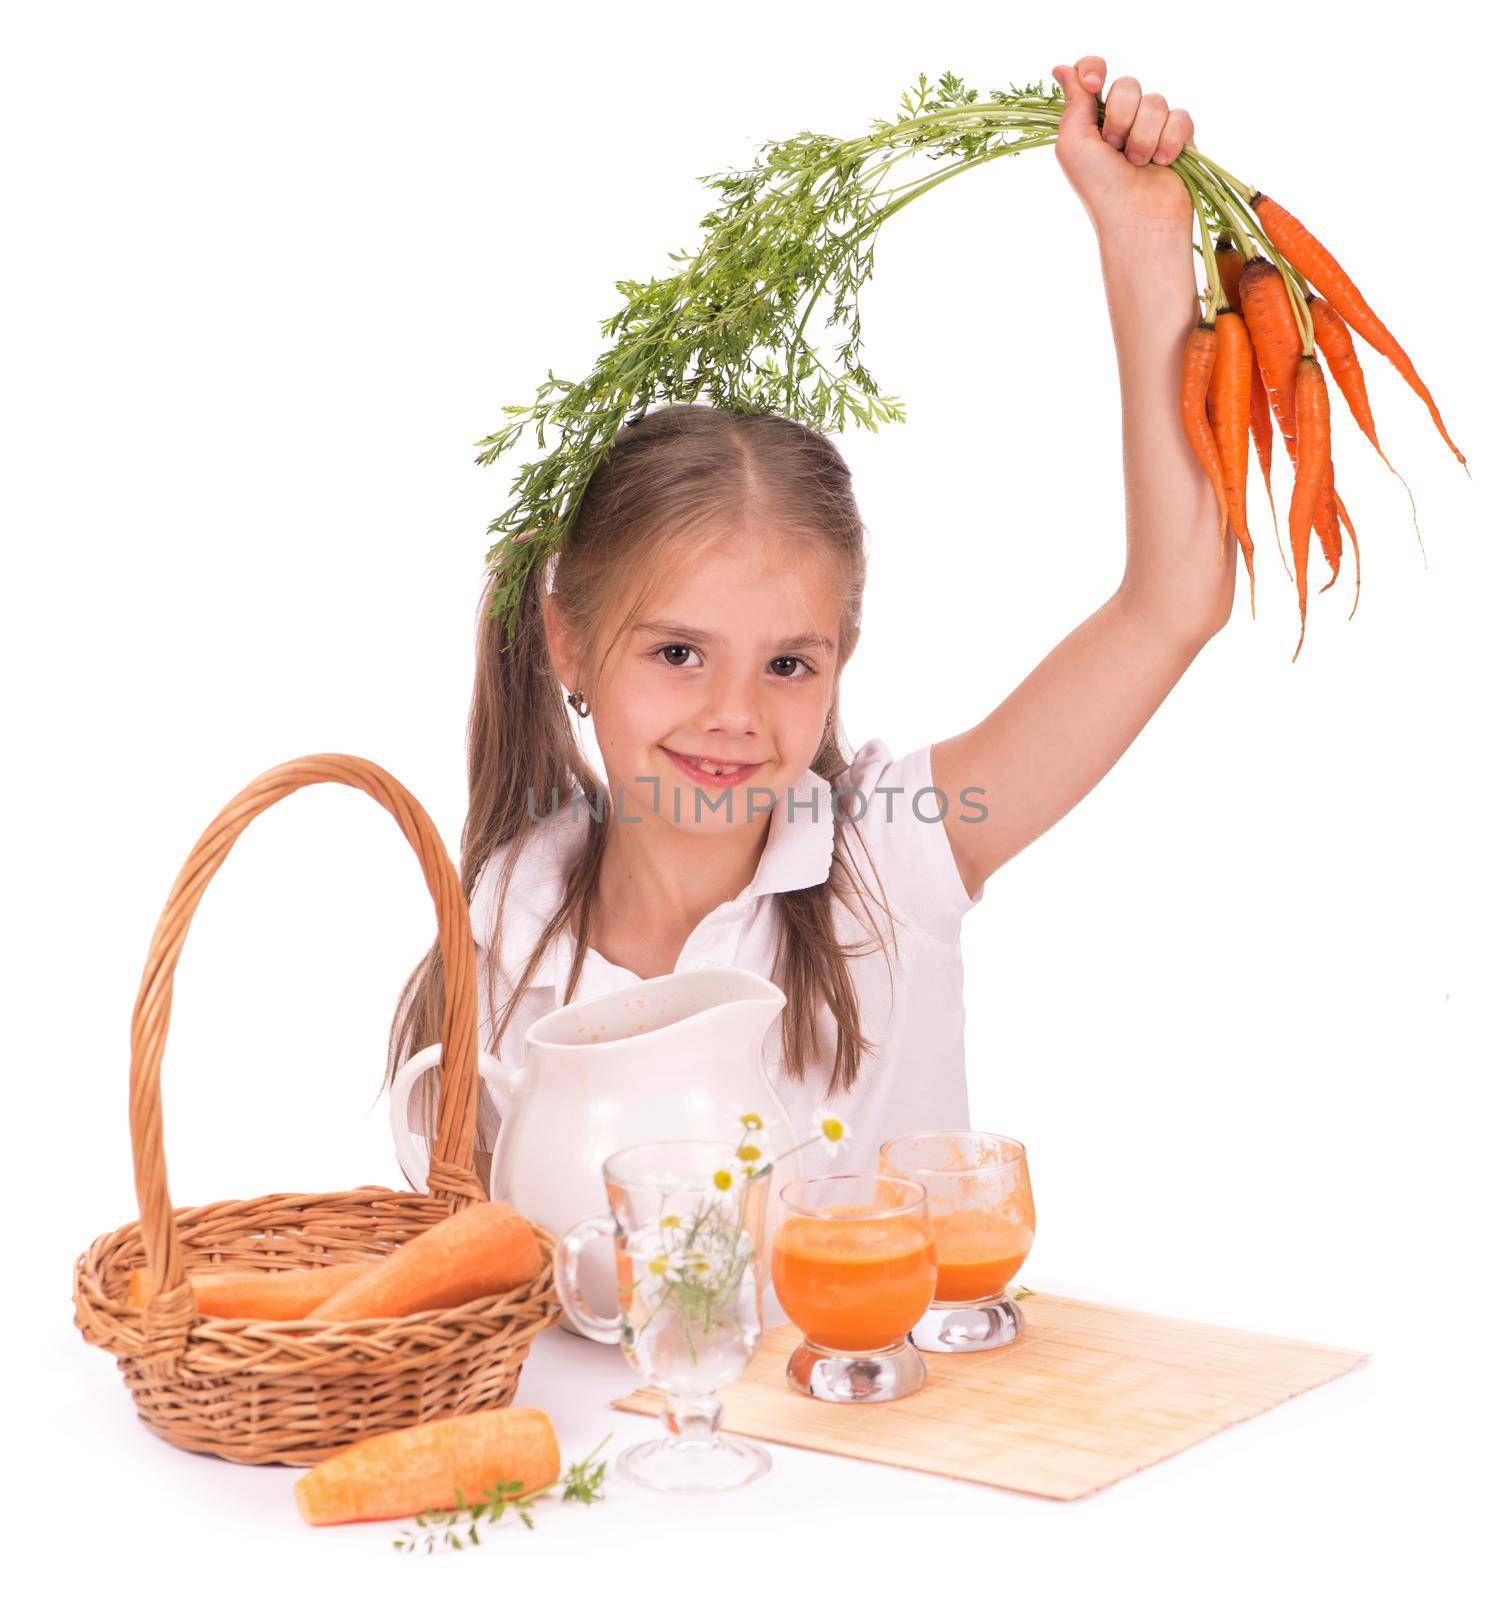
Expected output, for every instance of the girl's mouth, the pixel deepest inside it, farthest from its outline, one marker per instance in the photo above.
(716, 774)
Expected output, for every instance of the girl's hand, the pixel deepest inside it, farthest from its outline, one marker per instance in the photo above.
(1120, 171)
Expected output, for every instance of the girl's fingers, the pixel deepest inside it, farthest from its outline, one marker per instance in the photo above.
(1146, 129)
(1120, 111)
(1177, 131)
(1091, 71)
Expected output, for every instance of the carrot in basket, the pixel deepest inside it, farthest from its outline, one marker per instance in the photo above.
(1306, 255)
(1312, 457)
(416, 1469)
(1230, 418)
(260, 1296)
(1334, 338)
(484, 1249)
(1194, 388)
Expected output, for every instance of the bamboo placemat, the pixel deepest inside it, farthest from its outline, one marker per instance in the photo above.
(1087, 1395)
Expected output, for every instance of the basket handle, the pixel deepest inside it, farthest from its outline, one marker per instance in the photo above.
(451, 1172)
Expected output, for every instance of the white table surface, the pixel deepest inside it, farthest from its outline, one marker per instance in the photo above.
(1354, 1481)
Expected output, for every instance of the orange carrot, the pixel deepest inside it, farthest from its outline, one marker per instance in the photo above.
(1228, 264)
(1306, 255)
(1198, 365)
(1261, 432)
(1275, 341)
(1230, 415)
(1327, 523)
(1334, 338)
(260, 1296)
(484, 1249)
(1340, 506)
(416, 1469)
(1312, 456)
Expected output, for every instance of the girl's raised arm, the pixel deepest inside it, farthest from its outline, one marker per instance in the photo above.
(1044, 747)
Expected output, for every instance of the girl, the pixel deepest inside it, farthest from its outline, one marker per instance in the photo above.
(702, 612)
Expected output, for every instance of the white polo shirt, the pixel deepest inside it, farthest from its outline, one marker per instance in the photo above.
(914, 1080)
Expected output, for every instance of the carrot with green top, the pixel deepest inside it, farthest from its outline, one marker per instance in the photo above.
(1306, 255)
(1275, 341)
(1193, 397)
(1229, 264)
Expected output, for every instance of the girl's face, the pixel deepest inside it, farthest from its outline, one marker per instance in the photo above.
(734, 663)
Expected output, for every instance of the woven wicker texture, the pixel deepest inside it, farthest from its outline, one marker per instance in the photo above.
(294, 1392)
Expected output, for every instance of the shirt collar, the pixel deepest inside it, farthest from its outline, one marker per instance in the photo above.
(798, 853)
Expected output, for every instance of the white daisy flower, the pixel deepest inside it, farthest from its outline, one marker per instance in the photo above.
(722, 1183)
(832, 1130)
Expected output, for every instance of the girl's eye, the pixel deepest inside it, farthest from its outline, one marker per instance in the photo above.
(674, 655)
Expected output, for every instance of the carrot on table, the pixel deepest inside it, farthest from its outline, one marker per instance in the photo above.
(1194, 388)
(1306, 255)
(1312, 457)
(483, 1249)
(416, 1469)
(260, 1296)
(1230, 419)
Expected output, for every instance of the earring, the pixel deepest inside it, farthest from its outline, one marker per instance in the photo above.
(577, 703)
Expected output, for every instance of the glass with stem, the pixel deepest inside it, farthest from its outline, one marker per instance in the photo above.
(686, 1225)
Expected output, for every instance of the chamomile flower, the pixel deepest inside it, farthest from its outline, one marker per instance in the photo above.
(832, 1130)
(749, 1121)
(722, 1183)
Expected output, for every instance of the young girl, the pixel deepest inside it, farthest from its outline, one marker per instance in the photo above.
(702, 612)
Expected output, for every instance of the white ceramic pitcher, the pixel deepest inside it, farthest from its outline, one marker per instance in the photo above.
(676, 1057)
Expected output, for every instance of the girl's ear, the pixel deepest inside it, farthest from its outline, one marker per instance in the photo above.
(563, 654)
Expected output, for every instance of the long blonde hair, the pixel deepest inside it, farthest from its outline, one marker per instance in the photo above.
(672, 481)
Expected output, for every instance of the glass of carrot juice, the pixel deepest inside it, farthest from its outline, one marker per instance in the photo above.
(853, 1266)
(979, 1195)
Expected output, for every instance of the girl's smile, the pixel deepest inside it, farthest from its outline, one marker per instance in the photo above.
(724, 777)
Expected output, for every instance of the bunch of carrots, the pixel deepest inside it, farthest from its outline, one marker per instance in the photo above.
(1274, 294)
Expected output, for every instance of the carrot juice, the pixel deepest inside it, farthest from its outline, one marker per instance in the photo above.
(978, 1252)
(852, 1281)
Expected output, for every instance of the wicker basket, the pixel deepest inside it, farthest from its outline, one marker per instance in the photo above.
(293, 1392)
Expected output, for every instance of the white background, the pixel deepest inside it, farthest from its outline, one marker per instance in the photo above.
(271, 271)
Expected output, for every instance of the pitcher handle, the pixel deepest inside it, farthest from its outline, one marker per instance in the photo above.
(411, 1158)
(606, 1330)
